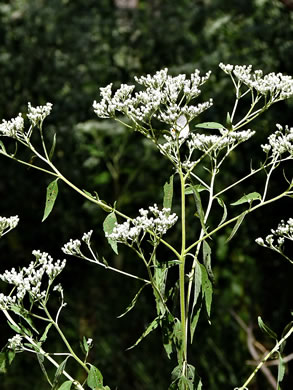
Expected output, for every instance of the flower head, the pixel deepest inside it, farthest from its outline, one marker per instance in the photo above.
(36, 115)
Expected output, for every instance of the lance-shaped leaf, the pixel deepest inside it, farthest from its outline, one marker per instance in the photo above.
(52, 147)
(152, 326)
(108, 225)
(207, 289)
(58, 373)
(193, 323)
(199, 208)
(95, 378)
(22, 312)
(41, 359)
(229, 122)
(210, 125)
(44, 335)
(247, 198)
(206, 249)
(281, 371)
(222, 204)
(237, 225)
(133, 302)
(52, 192)
(198, 187)
(266, 329)
(168, 193)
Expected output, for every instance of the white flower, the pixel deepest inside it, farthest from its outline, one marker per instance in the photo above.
(6, 301)
(15, 343)
(7, 224)
(87, 237)
(13, 128)
(280, 142)
(36, 115)
(72, 248)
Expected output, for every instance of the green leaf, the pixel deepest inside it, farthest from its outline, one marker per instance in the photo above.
(108, 226)
(229, 122)
(52, 192)
(200, 212)
(65, 385)
(104, 206)
(25, 314)
(199, 187)
(41, 359)
(168, 193)
(58, 373)
(222, 204)
(210, 125)
(236, 226)
(152, 326)
(247, 198)
(281, 370)
(16, 329)
(285, 331)
(197, 282)
(207, 289)
(266, 329)
(207, 258)
(133, 302)
(52, 147)
(3, 147)
(44, 335)
(6, 358)
(95, 378)
(193, 323)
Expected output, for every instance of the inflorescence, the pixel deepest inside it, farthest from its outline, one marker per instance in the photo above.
(280, 142)
(7, 224)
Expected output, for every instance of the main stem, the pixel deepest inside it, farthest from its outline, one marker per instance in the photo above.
(182, 277)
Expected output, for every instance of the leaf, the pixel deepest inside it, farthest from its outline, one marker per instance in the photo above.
(6, 358)
(17, 329)
(247, 198)
(198, 187)
(168, 193)
(3, 147)
(281, 370)
(266, 329)
(52, 147)
(199, 208)
(236, 226)
(52, 192)
(152, 326)
(229, 122)
(58, 373)
(210, 125)
(197, 282)
(193, 323)
(207, 258)
(285, 331)
(22, 312)
(43, 368)
(133, 302)
(104, 206)
(95, 378)
(65, 385)
(207, 289)
(108, 225)
(44, 335)
(222, 204)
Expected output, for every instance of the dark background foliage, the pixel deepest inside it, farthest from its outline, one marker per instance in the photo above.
(62, 51)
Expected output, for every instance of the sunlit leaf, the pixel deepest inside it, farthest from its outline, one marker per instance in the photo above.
(108, 226)
(210, 125)
(65, 385)
(52, 192)
(95, 378)
(247, 198)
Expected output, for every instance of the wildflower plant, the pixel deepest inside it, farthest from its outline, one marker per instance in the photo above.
(164, 111)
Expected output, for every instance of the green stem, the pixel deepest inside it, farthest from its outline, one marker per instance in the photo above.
(275, 349)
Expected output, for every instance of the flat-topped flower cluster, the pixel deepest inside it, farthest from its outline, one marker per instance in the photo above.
(280, 142)
(274, 86)
(134, 230)
(29, 279)
(165, 98)
(36, 115)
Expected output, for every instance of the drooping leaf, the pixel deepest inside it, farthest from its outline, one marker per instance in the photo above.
(65, 385)
(95, 378)
(152, 326)
(236, 226)
(3, 147)
(210, 125)
(108, 225)
(193, 323)
(199, 208)
(44, 335)
(266, 329)
(52, 147)
(222, 204)
(285, 331)
(16, 329)
(207, 289)
(133, 302)
(52, 192)
(41, 359)
(247, 198)
(206, 249)
(6, 358)
(197, 282)
(22, 312)
(281, 371)
(58, 373)
(168, 193)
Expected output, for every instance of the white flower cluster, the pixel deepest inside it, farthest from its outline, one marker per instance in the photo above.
(29, 279)
(36, 115)
(12, 128)
(7, 224)
(73, 246)
(281, 141)
(164, 98)
(227, 139)
(274, 86)
(6, 301)
(130, 230)
(15, 343)
(276, 240)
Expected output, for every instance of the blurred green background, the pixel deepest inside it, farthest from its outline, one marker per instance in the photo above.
(62, 51)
